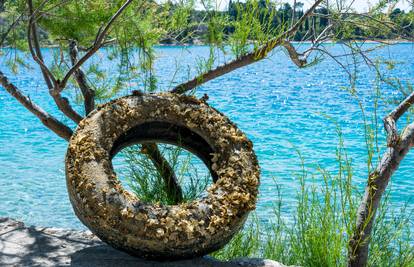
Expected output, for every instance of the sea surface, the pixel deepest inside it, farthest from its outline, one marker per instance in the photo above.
(282, 109)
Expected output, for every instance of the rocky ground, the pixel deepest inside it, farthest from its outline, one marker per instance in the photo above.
(36, 246)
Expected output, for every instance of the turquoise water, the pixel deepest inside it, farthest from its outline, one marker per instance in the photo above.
(280, 107)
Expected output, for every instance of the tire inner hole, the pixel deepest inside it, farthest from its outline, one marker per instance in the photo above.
(188, 154)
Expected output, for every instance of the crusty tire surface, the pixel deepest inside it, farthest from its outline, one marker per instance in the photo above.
(158, 231)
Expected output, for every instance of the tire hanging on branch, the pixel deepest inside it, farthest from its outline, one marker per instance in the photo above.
(156, 231)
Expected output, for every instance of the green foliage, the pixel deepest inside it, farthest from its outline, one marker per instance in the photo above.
(252, 24)
(319, 237)
(179, 14)
(216, 29)
(147, 183)
(77, 20)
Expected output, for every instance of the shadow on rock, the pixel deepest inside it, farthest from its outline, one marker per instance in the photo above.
(35, 246)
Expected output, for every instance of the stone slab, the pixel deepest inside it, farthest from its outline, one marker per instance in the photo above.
(40, 246)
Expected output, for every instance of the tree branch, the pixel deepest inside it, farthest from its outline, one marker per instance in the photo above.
(34, 48)
(403, 107)
(299, 59)
(55, 87)
(51, 82)
(48, 120)
(242, 61)
(173, 188)
(97, 44)
(80, 77)
(378, 181)
(390, 121)
(245, 60)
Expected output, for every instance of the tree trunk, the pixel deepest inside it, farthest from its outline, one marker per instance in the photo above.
(377, 183)
(173, 188)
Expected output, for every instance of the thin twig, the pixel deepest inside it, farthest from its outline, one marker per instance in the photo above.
(97, 44)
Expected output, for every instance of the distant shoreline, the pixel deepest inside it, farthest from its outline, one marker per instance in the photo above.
(370, 41)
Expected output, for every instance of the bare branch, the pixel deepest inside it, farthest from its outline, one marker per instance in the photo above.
(390, 127)
(34, 48)
(244, 60)
(299, 59)
(37, 57)
(51, 82)
(48, 120)
(402, 108)
(335, 58)
(80, 77)
(390, 121)
(64, 105)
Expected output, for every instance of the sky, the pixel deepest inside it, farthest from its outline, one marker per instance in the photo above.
(359, 5)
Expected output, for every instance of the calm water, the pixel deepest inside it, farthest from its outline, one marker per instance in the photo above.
(280, 107)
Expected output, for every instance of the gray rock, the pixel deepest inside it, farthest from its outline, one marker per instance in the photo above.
(38, 246)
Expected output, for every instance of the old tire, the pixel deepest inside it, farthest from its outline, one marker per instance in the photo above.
(161, 231)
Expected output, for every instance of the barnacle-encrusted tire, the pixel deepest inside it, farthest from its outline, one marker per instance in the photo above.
(157, 231)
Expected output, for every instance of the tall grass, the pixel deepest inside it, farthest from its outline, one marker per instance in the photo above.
(322, 223)
(147, 183)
